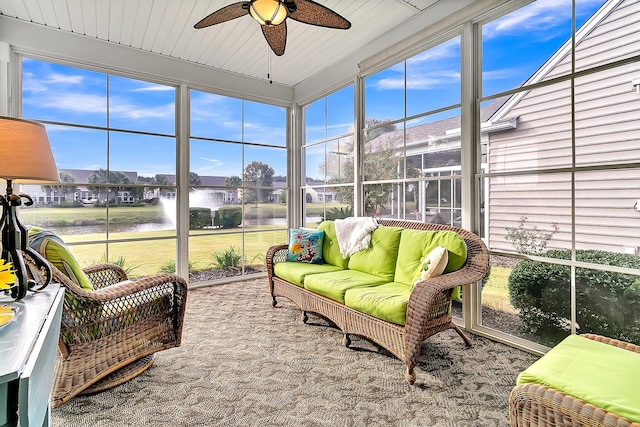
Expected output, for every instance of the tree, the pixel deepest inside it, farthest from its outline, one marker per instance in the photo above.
(257, 176)
(233, 181)
(194, 179)
(117, 182)
(160, 179)
(380, 163)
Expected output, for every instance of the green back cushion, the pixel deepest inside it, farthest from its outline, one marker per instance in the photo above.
(57, 253)
(387, 302)
(416, 244)
(380, 258)
(295, 272)
(597, 373)
(330, 248)
(335, 284)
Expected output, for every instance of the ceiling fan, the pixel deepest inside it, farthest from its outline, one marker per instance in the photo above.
(272, 15)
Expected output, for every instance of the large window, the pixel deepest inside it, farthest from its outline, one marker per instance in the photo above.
(327, 159)
(114, 142)
(562, 171)
(411, 143)
(238, 186)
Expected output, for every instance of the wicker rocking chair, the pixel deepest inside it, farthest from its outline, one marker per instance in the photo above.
(109, 334)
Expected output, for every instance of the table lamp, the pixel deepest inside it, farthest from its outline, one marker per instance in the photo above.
(26, 158)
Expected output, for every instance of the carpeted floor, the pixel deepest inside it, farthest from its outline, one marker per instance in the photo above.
(244, 363)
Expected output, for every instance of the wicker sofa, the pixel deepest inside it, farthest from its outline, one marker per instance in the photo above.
(601, 370)
(427, 303)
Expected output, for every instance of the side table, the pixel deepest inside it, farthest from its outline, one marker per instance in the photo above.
(28, 347)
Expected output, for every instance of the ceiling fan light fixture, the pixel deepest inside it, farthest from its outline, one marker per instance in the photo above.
(268, 12)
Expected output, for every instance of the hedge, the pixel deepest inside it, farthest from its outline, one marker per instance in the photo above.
(199, 218)
(229, 216)
(608, 303)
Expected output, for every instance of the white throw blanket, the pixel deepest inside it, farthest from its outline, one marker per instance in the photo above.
(354, 234)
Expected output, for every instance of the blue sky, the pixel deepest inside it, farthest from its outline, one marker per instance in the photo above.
(514, 47)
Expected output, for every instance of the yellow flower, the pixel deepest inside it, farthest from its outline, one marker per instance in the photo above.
(6, 274)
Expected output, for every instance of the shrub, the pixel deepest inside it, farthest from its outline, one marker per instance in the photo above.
(531, 241)
(338, 213)
(227, 259)
(170, 267)
(229, 216)
(607, 302)
(199, 218)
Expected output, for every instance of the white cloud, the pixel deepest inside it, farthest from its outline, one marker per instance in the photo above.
(154, 88)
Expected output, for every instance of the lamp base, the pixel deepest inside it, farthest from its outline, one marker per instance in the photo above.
(14, 243)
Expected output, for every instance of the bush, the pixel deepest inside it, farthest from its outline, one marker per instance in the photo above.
(229, 216)
(607, 303)
(227, 259)
(67, 204)
(170, 267)
(338, 213)
(199, 218)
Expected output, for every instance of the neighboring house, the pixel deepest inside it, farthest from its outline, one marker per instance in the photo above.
(532, 130)
(607, 117)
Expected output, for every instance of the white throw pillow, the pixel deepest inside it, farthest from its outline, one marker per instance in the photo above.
(432, 265)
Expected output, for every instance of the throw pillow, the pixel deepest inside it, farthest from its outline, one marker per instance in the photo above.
(57, 253)
(305, 245)
(432, 265)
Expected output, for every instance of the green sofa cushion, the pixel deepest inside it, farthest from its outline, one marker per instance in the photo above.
(330, 248)
(387, 302)
(295, 272)
(380, 258)
(416, 244)
(53, 249)
(334, 284)
(597, 373)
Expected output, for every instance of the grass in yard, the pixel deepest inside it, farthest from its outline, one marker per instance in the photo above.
(495, 293)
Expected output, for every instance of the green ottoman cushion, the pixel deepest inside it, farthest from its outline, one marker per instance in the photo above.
(416, 244)
(334, 284)
(596, 373)
(295, 272)
(387, 302)
(380, 258)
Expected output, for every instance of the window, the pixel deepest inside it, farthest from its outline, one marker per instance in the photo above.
(113, 139)
(328, 153)
(238, 186)
(561, 168)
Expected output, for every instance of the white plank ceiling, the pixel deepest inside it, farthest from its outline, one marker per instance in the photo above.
(165, 27)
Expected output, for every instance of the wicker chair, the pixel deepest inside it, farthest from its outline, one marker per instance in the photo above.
(532, 404)
(109, 335)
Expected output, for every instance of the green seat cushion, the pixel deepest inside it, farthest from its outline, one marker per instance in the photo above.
(57, 253)
(380, 258)
(387, 302)
(295, 272)
(416, 244)
(330, 248)
(334, 284)
(597, 373)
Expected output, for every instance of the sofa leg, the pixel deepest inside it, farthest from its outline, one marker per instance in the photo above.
(410, 375)
(305, 318)
(346, 341)
(466, 339)
(273, 302)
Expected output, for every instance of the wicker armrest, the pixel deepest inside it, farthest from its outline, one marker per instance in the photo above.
(102, 275)
(276, 254)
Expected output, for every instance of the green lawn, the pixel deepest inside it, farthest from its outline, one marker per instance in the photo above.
(495, 293)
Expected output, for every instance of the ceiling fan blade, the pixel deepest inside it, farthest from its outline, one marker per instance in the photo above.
(276, 36)
(312, 13)
(227, 13)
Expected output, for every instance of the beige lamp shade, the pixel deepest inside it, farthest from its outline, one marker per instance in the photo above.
(25, 153)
